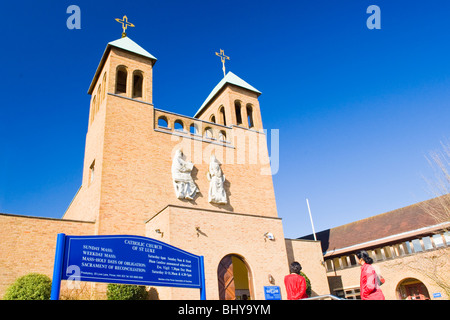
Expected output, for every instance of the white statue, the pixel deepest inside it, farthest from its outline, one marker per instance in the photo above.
(216, 179)
(184, 185)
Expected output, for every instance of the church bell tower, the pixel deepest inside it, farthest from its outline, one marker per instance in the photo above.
(123, 78)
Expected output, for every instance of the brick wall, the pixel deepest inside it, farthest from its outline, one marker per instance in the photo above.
(309, 254)
(27, 244)
(223, 233)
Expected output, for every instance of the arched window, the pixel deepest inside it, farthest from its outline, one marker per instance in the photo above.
(104, 87)
(99, 95)
(222, 136)
(137, 84)
(222, 116)
(250, 116)
(212, 119)
(193, 129)
(237, 108)
(93, 104)
(162, 122)
(208, 133)
(121, 80)
(178, 125)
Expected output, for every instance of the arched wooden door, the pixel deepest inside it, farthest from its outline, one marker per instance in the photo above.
(233, 277)
(412, 289)
(225, 276)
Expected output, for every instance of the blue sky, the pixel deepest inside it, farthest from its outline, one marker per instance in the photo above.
(357, 109)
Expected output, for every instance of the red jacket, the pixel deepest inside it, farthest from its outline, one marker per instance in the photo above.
(295, 286)
(370, 290)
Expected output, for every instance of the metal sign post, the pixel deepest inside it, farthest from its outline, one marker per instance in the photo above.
(57, 268)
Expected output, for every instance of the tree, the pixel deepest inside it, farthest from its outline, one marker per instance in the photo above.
(435, 264)
(440, 185)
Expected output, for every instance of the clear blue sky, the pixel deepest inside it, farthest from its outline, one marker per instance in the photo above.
(357, 109)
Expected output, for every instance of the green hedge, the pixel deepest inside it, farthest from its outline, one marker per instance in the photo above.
(32, 286)
(126, 292)
(308, 284)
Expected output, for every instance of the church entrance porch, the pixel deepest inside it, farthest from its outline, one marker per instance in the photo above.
(234, 279)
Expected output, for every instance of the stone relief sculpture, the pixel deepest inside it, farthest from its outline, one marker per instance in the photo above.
(185, 187)
(216, 179)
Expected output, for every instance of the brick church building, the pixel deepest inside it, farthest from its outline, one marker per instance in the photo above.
(204, 184)
(129, 186)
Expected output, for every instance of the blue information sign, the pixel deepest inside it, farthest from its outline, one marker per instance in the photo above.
(127, 259)
(272, 292)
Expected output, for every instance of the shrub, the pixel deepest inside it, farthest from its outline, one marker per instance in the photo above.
(126, 292)
(308, 284)
(32, 286)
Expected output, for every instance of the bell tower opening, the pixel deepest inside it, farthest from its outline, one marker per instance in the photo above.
(137, 84)
(121, 80)
(250, 116)
(223, 120)
(237, 108)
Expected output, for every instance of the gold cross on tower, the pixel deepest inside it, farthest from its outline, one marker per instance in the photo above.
(125, 25)
(223, 57)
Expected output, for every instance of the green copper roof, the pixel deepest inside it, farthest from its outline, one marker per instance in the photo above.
(124, 43)
(229, 78)
(129, 45)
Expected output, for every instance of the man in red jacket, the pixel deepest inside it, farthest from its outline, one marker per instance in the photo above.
(295, 284)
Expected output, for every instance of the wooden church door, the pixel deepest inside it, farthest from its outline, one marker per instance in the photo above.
(225, 277)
